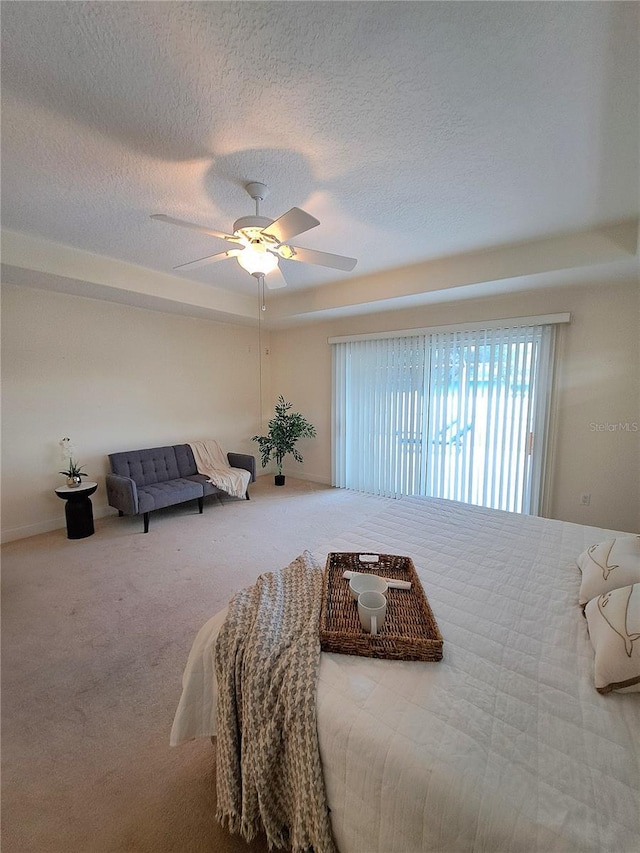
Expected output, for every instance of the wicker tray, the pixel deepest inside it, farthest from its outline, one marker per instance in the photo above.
(409, 632)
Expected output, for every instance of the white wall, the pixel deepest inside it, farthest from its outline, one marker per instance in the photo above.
(111, 377)
(598, 383)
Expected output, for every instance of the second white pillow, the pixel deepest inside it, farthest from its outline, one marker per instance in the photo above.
(614, 628)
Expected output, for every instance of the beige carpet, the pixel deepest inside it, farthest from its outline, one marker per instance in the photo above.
(95, 636)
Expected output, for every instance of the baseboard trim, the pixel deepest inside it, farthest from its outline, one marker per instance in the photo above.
(311, 478)
(11, 534)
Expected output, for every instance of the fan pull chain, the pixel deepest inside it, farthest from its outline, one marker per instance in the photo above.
(260, 359)
(263, 306)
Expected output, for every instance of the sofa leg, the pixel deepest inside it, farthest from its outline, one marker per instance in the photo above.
(146, 521)
(200, 505)
(247, 495)
(120, 513)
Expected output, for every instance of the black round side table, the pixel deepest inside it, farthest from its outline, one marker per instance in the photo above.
(78, 510)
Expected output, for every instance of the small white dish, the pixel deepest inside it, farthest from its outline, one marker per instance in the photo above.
(366, 583)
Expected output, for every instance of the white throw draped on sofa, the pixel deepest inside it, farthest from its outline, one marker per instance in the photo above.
(211, 461)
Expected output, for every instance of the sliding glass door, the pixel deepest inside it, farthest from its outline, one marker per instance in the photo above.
(457, 415)
(379, 406)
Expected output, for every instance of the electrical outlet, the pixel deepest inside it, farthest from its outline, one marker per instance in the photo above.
(585, 498)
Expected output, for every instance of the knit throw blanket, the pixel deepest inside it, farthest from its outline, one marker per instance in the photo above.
(267, 656)
(211, 461)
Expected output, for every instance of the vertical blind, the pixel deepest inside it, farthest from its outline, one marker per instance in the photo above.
(459, 415)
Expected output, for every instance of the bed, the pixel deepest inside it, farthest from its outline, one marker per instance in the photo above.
(505, 744)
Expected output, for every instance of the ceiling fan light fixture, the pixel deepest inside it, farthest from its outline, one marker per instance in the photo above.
(256, 260)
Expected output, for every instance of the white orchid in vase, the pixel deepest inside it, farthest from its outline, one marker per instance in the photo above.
(73, 472)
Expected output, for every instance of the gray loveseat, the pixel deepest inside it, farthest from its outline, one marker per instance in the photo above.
(143, 480)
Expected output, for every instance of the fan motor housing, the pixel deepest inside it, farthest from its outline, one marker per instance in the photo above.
(254, 222)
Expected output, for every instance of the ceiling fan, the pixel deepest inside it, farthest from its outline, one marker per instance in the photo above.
(260, 242)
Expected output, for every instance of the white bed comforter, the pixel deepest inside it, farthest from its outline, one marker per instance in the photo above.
(504, 745)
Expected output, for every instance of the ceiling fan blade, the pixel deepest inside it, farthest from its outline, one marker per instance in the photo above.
(324, 259)
(210, 259)
(161, 217)
(275, 279)
(291, 223)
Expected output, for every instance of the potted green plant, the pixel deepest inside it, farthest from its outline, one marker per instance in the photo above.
(74, 472)
(285, 429)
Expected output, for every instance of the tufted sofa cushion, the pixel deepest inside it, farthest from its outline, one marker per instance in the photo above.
(145, 467)
(185, 460)
(158, 495)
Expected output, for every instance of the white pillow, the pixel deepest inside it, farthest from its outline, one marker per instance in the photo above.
(614, 627)
(609, 565)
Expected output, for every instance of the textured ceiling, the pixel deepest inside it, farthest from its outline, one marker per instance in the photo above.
(411, 130)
